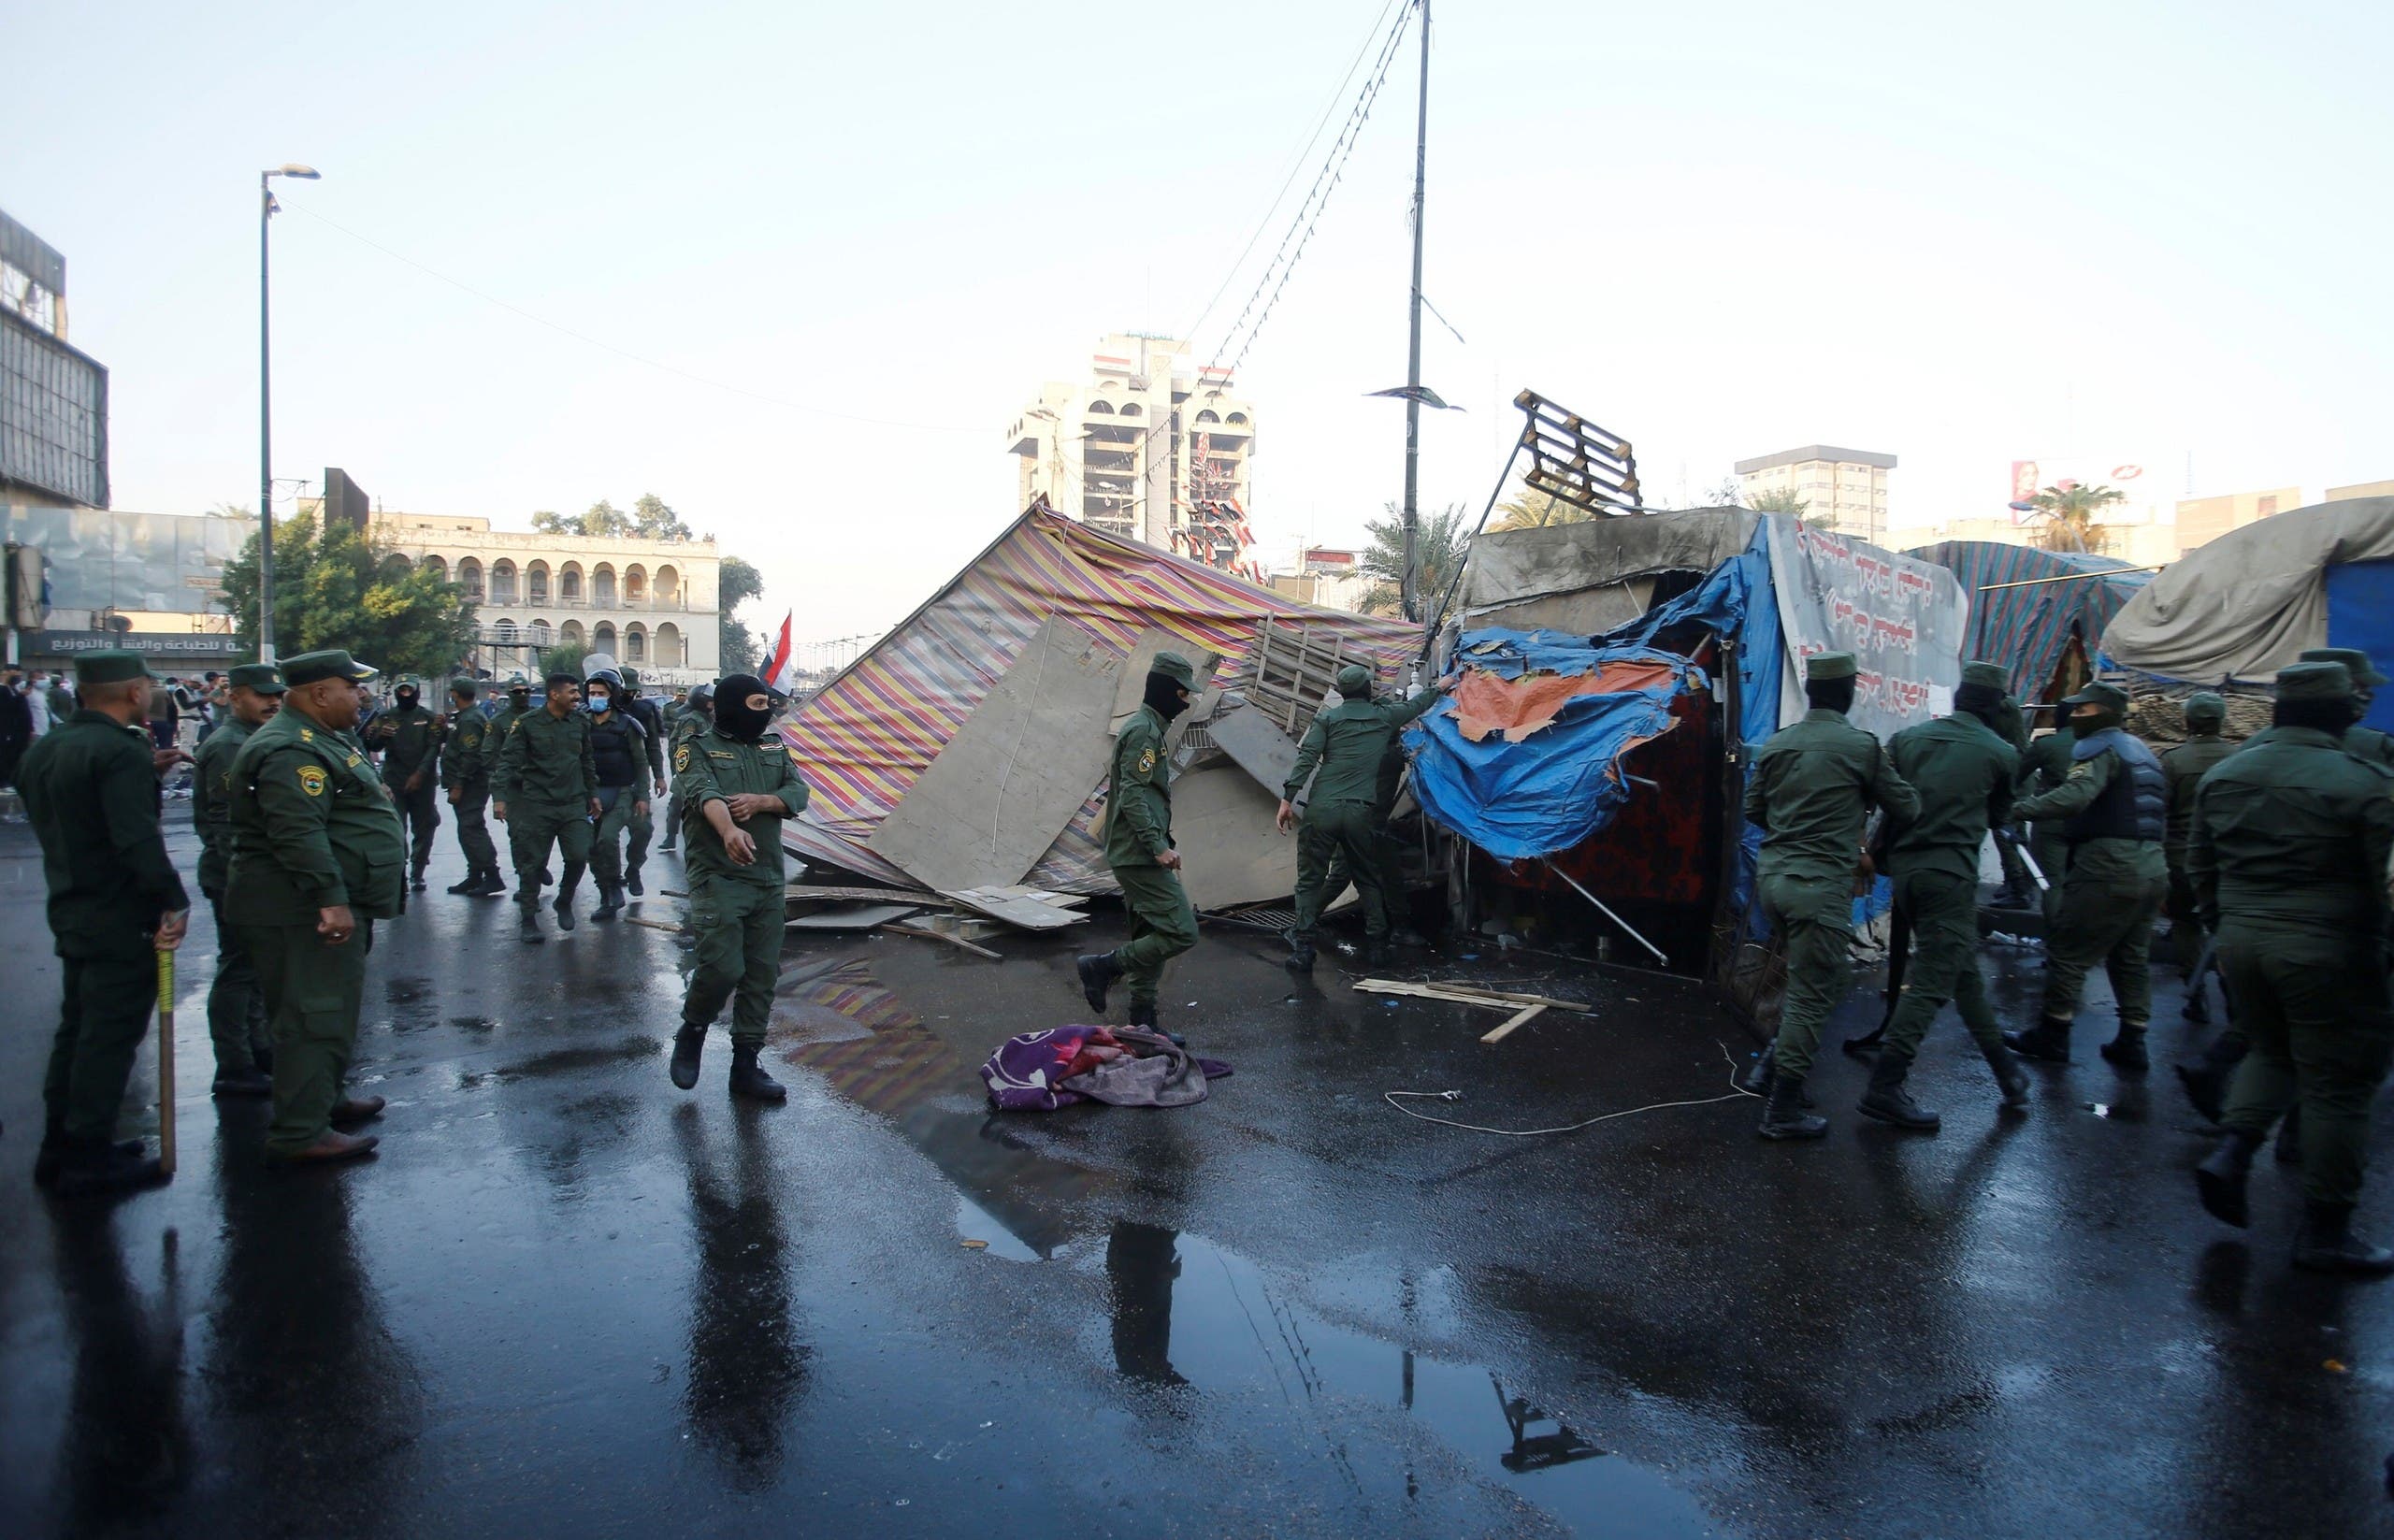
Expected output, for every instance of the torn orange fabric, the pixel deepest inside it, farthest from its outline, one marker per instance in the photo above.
(1517, 708)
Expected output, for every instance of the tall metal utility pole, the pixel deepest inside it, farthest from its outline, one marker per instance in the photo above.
(1409, 590)
(265, 415)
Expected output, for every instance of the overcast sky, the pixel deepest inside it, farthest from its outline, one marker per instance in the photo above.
(2097, 231)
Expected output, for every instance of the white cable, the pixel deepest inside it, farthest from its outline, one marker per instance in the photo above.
(1391, 1098)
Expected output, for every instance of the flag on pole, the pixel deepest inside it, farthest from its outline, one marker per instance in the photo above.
(781, 669)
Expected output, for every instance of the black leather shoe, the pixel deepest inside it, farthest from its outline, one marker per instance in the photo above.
(2045, 1040)
(473, 881)
(52, 1158)
(1785, 1117)
(689, 1043)
(2126, 1051)
(749, 1079)
(1889, 1102)
(88, 1174)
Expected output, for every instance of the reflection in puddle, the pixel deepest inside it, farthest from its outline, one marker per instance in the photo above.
(1189, 1313)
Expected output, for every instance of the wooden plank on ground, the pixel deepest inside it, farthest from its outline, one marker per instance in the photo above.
(860, 918)
(1466, 994)
(1009, 780)
(855, 895)
(1518, 1018)
(1022, 914)
(956, 942)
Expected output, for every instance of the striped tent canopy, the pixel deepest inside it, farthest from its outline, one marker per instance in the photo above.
(2028, 629)
(863, 740)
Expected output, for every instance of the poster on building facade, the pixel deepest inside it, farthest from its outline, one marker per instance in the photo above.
(1904, 621)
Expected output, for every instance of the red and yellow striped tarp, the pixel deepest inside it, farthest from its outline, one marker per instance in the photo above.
(864, 738)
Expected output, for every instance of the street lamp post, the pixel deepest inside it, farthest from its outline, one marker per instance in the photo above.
(265, 414)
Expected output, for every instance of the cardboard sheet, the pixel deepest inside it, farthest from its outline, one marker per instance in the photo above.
(1257, 745)
(983, 811)
(1229, 853)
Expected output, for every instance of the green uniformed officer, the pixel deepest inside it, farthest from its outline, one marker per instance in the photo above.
(620, 751)
(237, 1018)
(642, 825)
(1962, 771)
(465, 776)
(1349, 744)
(90, 786)
(519, 703)
(2113, 810)
(317, 856)
(545, 790)
(1812, 786)
(2183, 769)
(2044, 764)
(2288, 859)
(2370, 744)
(732, 786)
(695, 716)
(1138, 847)
(409, 736)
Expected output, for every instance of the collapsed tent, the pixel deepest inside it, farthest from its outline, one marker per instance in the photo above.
(969, 747)
(1631, 791)
(2241, 608)
(2039, 614)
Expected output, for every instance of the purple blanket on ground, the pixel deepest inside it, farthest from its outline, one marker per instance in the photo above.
(1032, 1073)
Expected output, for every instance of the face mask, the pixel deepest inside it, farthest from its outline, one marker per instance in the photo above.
(732, 712)
(598, 702)
(407, 701)
(1163, 695)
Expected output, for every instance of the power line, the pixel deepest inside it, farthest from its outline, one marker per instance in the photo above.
(609, 347)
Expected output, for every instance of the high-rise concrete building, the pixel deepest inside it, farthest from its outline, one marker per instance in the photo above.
(1844, 488)
(54, 400)
(1151, 447)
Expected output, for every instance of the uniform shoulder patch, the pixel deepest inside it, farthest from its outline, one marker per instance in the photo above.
(1146, 759)
(311, 780)
(682, 757)
(307, 735)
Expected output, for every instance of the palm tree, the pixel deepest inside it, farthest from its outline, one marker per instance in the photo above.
(1530, 508)
(1442, 545)
(2069, 508)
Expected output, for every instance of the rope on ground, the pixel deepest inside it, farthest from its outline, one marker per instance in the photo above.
(1391, 1098)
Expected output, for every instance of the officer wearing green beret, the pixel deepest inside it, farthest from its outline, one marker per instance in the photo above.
(2183, 769)
(1349, 743)
(2291, 839)
(465, 777)
(90, 786)
(732, 786)
(1962, 771)
(2370, 744)
(237, 1017)
(409, 736)
(547, 791)
(2113, 808)
(1812, 786)
(695, 718)
(317, 856)
(1138, 847)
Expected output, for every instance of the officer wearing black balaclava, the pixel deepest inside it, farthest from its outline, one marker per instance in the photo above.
(732, 786)
(1140, 851)
(410, 737)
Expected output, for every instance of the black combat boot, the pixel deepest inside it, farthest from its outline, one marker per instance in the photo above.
(235, 1082)
(491, 885)
(748, 1077)
(1757, 1076)
(2219, 1181)
(415, 879)
(2126, 1051)
(1375, 952)
(2326, 1244)
(527, 921)
(1143, 1014)
(1299, 959)
(51, 1159)
(2009, 1076)
(688, 1044)
(96, 1168)
(631, 880)
(1098, 970)
(2048, 1040)
(469, 884)
(1889, 1102)
(1783, 1115)
(610, 900)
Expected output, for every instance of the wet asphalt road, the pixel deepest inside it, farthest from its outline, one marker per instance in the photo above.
(566, 1299)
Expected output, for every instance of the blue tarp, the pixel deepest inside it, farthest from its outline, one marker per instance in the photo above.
(1557, 787)
(2361, 613)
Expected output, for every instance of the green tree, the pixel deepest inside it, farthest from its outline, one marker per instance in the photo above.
(652, 520)
(1530, 508)
(736, 583)
(1442, 545)
(2069, 509)
(336, 587)
(604, 521)
(566, 656)
(1782, 501)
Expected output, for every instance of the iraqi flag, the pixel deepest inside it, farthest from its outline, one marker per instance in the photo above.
(781, 669)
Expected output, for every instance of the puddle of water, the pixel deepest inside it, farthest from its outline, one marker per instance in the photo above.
(976, 1223)
(1187, 1312)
